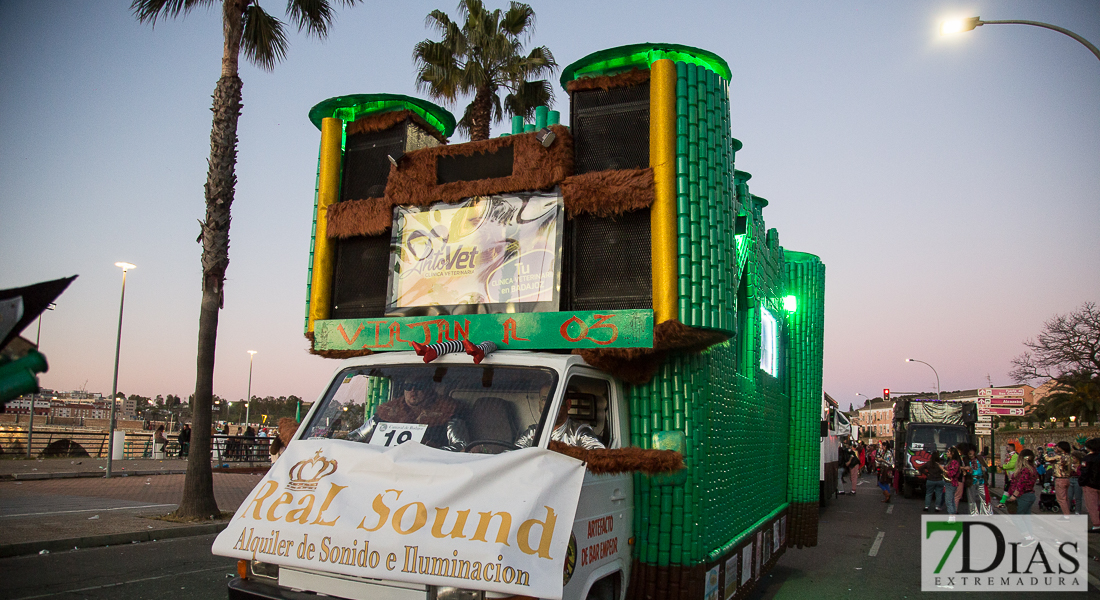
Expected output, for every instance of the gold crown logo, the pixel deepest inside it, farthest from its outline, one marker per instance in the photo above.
(305, 475)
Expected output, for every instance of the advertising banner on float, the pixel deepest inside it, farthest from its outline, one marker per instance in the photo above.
(486, 250)
(497, 522)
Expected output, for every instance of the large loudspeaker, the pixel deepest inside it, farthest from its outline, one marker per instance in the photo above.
(607, 262)
(610, 128)
(360, 277)
(901, 410)
(366, 166)
(970, 413)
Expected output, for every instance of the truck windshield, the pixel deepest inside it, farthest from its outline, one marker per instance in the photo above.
(936, 437)
(456, 408)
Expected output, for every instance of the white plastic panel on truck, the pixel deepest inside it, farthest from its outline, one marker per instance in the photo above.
(602, 527)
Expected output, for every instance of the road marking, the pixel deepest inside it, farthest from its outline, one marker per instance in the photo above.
(111, 585)
(890, 509)
(878, 544)
(62, 512)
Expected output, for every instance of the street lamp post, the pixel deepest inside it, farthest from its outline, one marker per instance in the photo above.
(125, 266)
(933, 370)
(37, 340)
(248, 400)
(960, 25)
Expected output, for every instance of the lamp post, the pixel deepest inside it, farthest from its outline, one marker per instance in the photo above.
(933, 370)
(125, 266)
(960, 25)
(248, 400)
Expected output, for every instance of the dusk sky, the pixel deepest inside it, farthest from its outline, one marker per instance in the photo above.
(951, 185)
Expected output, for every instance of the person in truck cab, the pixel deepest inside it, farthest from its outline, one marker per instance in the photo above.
(566, 430)
(423, 405)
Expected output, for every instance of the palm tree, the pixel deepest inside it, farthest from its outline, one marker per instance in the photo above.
(1076, 395)
(262, 38)
(482, 56)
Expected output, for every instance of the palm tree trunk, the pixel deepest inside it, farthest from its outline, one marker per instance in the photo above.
(198, 487)
(480, 115)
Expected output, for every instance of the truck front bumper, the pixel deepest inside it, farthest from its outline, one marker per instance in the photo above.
(244, 589)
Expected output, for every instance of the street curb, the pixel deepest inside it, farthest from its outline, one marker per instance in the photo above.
(113, 539)
(76, 474)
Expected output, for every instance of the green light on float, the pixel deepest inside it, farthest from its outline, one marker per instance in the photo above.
(624, 58)
(790, 303)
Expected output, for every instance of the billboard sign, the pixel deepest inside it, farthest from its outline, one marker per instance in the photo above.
(501, 252)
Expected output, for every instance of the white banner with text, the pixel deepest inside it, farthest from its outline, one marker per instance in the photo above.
(495, 522)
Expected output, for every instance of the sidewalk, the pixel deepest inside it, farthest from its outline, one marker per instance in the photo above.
(61, 504)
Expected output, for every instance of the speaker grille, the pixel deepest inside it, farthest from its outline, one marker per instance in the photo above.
(611, 129)
(361, 276)
(366, 167)
(608, 262)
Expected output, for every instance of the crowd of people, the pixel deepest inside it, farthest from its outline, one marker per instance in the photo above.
(1057, 477)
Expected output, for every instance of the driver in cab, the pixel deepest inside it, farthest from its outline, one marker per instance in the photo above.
(423, 404)
(566, 430)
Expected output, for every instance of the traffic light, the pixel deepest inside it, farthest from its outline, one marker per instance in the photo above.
(885, 393)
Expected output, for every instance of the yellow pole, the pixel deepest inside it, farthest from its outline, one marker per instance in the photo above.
(328, 193)
(662, 157)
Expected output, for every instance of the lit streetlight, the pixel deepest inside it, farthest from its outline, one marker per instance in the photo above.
(125, 266)
(248, 400)
(961, 25)
(933, 370)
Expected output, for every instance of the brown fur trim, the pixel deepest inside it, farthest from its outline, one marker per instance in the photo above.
(533, 168)
(287, 428)
(369, 216)
(382, 121)
(624, 460)
(341, 354)
(639, 365)
(606, 82)
(608, 193)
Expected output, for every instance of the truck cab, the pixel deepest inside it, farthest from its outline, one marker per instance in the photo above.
(507, 398)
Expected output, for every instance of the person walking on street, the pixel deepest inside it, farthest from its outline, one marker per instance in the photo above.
(952, 483)
(853, 470)
(1009, 465)
(1076, 494)
(1063, 468)
(1022, 487)
(885, 470)
(1090, 483)
(841, 465)
(933, 486)
(976, 490)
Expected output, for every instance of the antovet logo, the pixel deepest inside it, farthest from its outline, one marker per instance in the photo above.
(1004, 553)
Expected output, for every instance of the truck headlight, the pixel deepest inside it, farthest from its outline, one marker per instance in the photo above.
(262, 569)
(453, 593)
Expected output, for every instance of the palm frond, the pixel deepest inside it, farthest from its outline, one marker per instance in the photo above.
(148, 11)
(313, 16)
(264, 40)
(520, 18)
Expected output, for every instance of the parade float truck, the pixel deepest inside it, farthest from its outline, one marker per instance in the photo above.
(835, 427)
(923, 427)
(616, 272)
